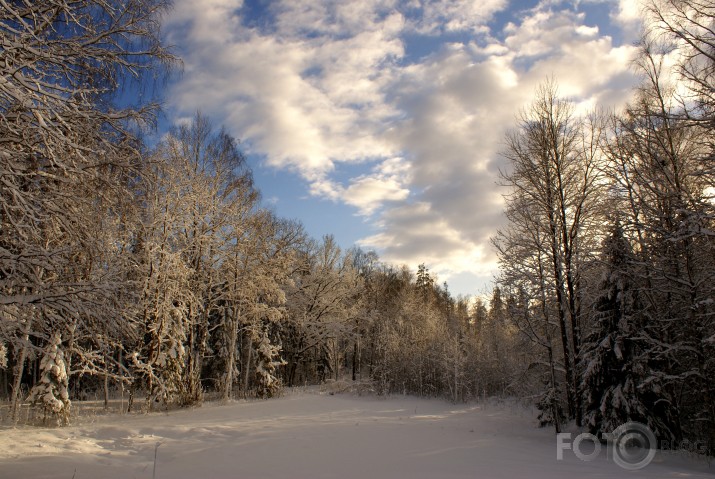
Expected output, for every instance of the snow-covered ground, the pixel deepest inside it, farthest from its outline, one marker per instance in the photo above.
(312, 435)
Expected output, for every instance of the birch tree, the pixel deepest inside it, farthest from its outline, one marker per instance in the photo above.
(553, 157)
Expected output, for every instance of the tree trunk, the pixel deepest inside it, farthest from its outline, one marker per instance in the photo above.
(106, 392)
(555, 400)
(336, 360)
(231, 360)
(355, 358)
(247, 366)
(560, 301)
(3, 384)
(19, 371)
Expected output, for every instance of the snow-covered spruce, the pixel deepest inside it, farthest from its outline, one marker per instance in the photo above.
(51, 393)
(268, 359)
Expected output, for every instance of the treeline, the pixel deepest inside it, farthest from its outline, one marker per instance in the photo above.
(155, 270)
(608, 257)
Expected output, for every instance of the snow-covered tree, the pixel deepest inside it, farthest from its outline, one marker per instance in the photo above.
(163, 312)
(51, 393)
(63, 144)
(256, 265)
(613, 360)
(686, 27)
(323, 301)
(267, 361)
(658, 162)
(218, 198)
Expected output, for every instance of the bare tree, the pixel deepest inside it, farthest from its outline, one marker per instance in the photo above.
(553, 158)
(686, 28)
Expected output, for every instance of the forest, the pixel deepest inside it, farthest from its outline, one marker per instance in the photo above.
(153, 268)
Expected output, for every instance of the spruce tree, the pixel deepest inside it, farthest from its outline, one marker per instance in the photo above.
(267, 360)
(616, 384)
(610, 380)
(51, 393)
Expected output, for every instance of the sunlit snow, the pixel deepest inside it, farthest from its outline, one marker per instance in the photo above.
(308, 434)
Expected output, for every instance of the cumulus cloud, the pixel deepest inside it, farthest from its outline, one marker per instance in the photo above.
(629, 15)
(419, 234)
(304, 94)
(439, 16)
(387, 183)
(459, 105)
(321, 83)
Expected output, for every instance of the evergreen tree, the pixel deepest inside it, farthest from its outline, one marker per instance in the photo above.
(608, 382)
(51, 393)
(615, 384)
(267, 361)
(551, 412)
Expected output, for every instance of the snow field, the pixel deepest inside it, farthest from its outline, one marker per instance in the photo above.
(312, 435)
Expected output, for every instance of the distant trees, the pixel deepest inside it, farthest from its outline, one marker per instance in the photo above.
(422, 341)
(324, 301)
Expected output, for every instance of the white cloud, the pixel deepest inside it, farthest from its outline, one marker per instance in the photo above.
(629, 14)
(212, 21)
(419, 234)
(459, 105)
(304, 101)
(367, 193)
(387, 183)
(455, 15)
(329, 82)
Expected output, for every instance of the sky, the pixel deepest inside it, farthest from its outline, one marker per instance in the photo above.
(382, 121)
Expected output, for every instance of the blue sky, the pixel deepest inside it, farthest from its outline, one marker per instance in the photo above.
(381, 121)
